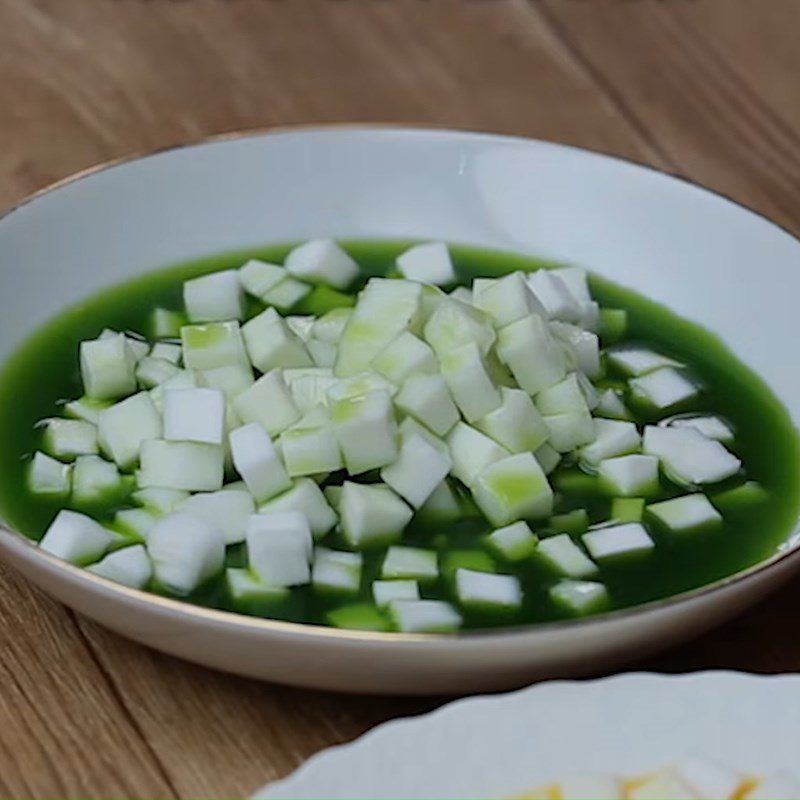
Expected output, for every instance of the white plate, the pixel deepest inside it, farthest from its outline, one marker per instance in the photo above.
(502, 745)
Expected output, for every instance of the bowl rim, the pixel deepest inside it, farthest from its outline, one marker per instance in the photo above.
(15, 541)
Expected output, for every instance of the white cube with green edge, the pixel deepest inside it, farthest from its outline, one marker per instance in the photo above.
(562, 397)
(306, 497)
(164, 323)
(330, 326)
(443, 504)
(635, 361)
(515, 542)
(405, 355)
(279, 547)
(486, 591)
(710, 425)
(108, 368)
(185, 379)
(470, 385)
(616, 542)
(507, 299)
(371, 515)
(471, 452)
(129, 566)
(579, 597)
(86, 409)
(385, 591)
(627, 509)
(570, 430)
(323, 354)
(357, 385)
(66, 439)
(552, 293)
(512, 489)
(629, 476)
(367, 431)
(663, 389)
(454, 324)
(286, 294)
(610, 406)
(167, 351)
(186, 551)
(97, 483)
(427, 399)
(243, 586)
(417, 471)
(535, 358)
(213, 344)
(160, 501)
(123, 427)
(310, 449)
(232, 380)
(49, 478)
(429, 262)
(611, 438)
(214, 298)
(424, 616)
(560, 554)
(301, 325)
(269, 402)
(192, 466)
(258, 277)
(515, 424)
(257, 461)
(152, 372)
(336, 571)
(194, 415)
(690, 514)
(415, 563)
(584, 346)
(228, 510)
(548, 457)
(322, 261)
(136, 522)
(271, 343)
(75, 538)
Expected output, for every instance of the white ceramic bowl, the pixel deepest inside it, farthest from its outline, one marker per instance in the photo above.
(704, 256)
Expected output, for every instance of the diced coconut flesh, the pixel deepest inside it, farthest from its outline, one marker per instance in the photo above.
(269, 402)
(584, 345)
(405, 355)
(485, 590)
(428, 400)
(688, 457)
(95, 482)
(610, 405)
(410, 563)
(258, 277)
(371, 515)
(186, 551)
(579, 597)
(309, 387)
(272, 344)
(228, 511)
(213, 344)
(322, 261)
(442, 505)
(75, 538)
(136, 522)
(454, 324)
(710, 426)
(513, 488)
(358, 385)
(86, 409)
(322, 353)
(306, 497)
(508, 299)
(514, 542)
(618, 541)
(68, 438)
(167, 351)
(244, 587)
(471, 386)
(162, 501)
(629, 476)
(384, 592)
(429, 262)
(166, 324)
(310, 447)
(185, 379)
(279, 547)
(192, 466)
(123, 428)
(336, 571)
(108, 368)
(563, 556)
(193, 415)
(570, 430)
(152, 372)
(424, 616)
(554, 295)
(214, 298)
(417, 471)
(367, 432)
(516, 345)
(286, 294)
(49, 478)
(515, 424)
(687, 514)
(130, 566)
(548, 458)
(562, 397)
(232, 380)
(663, 388)
(257, 461)
(637, 361)
(611, 438)
(471, 452)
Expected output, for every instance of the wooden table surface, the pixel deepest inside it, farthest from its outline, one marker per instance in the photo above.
(705, 88)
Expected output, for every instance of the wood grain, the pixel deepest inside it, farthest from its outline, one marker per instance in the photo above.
(708, 88)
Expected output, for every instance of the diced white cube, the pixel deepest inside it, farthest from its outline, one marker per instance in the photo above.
(232, 380)
(152, 372)
(424, 616)
(194, 415)
(357, 385)
(330, 326)
(443, 504)
(487, 591)
(185, 379)
(167, 351)
(563, 556)
(584, 346)
(471, 452)
(305, 496)
(469, 382)
(286, 294)
(322, 353)
(712, 427)
(192, 466)
(108, 368)
(417, 471)
(688, 514)
(462, 294)
(311, 449)
(213, 344)
(454, 324)
(507, 299)
(688, 457)
(136, 522)
(269, 402)
(663, 388)
(618, 541)
(75, 538)
(611, 406)
(570, 431)
(516, 424)
(279, 548)
(429, 263)
(405, 355)
(186, 551)
(410, 563)
(271, 343)
(165, 324)
(301, 325)
(384, 592)
(552, 293)
(322, 261)
(636, 361)
(515, 542)
(161, 501)
(562, 397)
(123, 427)
(68, 438)
(136, 344)
(49, 478)
(214, 298)
(245, 587)
(579, 597)
(95, 483)
(367, 431)
(336, 571)
(548, 457)
(611, 438)
(409, 425)
(534, 356)
(372, 515)
(130, 566)
(512, 489)
(428, 400)
(86, 409)
(257, 461)
(258, 277)
(629, 476)
(228, 511)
